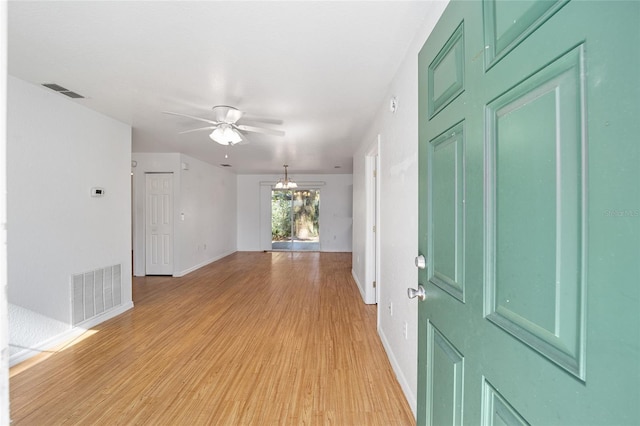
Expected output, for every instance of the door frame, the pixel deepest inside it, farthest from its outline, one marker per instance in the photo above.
(372, 239)
(149, 163)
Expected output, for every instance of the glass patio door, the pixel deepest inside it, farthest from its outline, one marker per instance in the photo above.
(295, 218)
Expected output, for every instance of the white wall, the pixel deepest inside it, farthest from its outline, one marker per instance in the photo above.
(398, 221)
(205, 194)
(57, 150)
(254, 210)
(208, 201)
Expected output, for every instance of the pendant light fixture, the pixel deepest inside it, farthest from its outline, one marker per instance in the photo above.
(286, 183)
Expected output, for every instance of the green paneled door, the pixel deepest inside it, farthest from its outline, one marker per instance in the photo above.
(530, 214)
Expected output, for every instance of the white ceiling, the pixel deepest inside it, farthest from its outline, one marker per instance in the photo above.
(323, 68)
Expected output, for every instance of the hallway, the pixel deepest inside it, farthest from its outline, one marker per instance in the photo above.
(252, 339)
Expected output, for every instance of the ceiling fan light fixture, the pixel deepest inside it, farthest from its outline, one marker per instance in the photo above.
(225, 129)
(224, 134)
(286, 183)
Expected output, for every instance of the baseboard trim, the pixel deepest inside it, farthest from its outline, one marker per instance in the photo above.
(51, 344)
(362, 293)
(411, 398)
(205, 263)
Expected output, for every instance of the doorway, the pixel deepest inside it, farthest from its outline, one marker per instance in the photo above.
(295, 220)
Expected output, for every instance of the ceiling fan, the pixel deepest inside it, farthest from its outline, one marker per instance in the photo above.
(224, 126)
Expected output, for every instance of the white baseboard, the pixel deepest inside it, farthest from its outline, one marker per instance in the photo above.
(362, 293)
(408, 394)
(205, 263)
(73, 333)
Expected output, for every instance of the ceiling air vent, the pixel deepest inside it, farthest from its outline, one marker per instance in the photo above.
(225, 165)
(62, 90)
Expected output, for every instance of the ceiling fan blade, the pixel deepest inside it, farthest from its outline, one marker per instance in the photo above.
(198, 129)
(246, 119)
(245, 140)
(262, 130)
(193, 117)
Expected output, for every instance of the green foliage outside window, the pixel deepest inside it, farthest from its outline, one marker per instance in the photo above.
(306, 214)
(280, 215)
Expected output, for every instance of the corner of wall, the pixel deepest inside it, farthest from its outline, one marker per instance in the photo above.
(360, 288)
(400, 375)
(398, 167)
(75, 232)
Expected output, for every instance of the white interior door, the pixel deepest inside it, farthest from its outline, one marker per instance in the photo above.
(159, 224)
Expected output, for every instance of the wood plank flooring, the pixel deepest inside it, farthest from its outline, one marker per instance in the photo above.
(252, 339)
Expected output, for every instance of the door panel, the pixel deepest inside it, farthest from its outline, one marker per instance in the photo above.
(306, 212)
(281, 223)
(534, 154)
(507, 23)
(446, 367)
(446, 73)
(530, 214)
(496, 411)
(446, 211)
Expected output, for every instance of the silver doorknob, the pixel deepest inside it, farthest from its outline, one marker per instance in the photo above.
(420, 293)
(421, 262)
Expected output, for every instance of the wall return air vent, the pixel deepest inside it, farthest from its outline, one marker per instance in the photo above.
(62, 90)
(95, 292)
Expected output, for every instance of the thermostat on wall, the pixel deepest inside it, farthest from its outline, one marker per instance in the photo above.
(97, 192)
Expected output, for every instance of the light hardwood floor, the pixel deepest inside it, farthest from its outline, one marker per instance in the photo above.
(252, 339)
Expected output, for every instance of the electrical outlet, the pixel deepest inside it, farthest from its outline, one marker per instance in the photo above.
(405, 330)
(390, 308)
